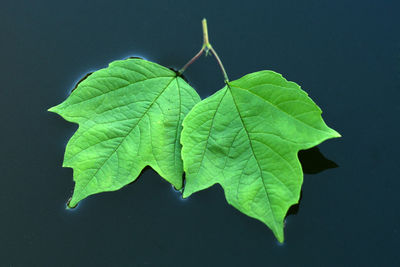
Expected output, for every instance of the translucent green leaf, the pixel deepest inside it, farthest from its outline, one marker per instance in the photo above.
(246, 137)
(129, 116)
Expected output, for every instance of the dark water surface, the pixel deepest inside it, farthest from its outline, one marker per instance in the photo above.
(345, 54)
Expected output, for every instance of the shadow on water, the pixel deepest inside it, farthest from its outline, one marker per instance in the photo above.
(293, 210)
(312, 162)
(81, 80)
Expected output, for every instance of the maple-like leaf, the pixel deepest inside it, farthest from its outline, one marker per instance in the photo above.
(246, 137)
(129, 116)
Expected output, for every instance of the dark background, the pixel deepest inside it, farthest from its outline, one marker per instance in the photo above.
(345, 54)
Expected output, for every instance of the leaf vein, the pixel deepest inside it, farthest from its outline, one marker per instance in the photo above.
(273, 105)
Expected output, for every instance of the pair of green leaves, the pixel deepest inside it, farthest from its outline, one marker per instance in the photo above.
(246, 136)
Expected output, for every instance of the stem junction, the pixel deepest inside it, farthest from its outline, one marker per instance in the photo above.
(207, 48)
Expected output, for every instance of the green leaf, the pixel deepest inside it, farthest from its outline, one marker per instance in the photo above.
(129, 116)
(246, 138)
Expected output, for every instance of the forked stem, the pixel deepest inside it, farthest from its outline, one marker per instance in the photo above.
(206, 48)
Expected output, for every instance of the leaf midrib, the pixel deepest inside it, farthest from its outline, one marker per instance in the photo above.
(255, 157)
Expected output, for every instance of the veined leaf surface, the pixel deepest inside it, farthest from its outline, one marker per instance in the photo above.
(129, 116)
(246, 137)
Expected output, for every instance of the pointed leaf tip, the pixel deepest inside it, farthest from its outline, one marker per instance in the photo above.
(52, 109)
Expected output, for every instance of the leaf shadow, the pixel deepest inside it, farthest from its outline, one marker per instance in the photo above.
(81, 80)
(293, 210)
(312, 162)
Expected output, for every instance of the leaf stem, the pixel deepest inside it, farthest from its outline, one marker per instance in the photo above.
(192, 60)
(219, 63)
(206, 48)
